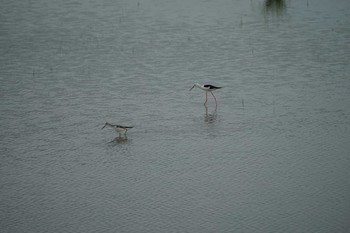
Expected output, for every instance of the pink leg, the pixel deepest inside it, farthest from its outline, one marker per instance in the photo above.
(214, 97)
(206, 98)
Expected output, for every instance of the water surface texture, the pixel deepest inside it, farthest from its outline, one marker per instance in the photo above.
(272, 156)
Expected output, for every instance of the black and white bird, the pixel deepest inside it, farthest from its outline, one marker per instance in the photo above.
(207, 88)
(119, 128)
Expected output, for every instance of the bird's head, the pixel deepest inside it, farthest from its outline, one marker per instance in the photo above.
(105, 125)
(196, 85)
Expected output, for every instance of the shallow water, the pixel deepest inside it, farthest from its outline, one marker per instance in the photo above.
(272, 156)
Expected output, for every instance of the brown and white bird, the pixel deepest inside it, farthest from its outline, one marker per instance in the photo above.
(119, 128)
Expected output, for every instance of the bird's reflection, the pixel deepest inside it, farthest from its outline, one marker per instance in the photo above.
(119, 140)
(274, 7)
(210, 117)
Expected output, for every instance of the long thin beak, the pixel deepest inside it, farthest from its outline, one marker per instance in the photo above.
(192, 87)
(104, 126)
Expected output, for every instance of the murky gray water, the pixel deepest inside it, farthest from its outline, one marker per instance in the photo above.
(273, 156)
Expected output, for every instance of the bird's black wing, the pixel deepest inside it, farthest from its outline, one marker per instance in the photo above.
(125, 127)
(211, 86)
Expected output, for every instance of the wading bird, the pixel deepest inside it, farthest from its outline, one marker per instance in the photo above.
(119, 128)
(207, 88)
